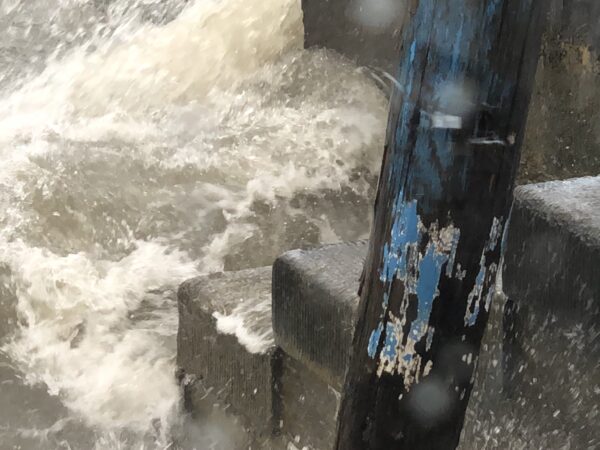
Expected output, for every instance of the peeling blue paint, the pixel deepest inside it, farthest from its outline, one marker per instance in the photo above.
(480, 276)
(391, 342)
(430, 270)
(475, 297)
(495, 234)
(374, 341)
(405, 232)
(421, 158)
(505, 233)
(420, 273)
(386, 300)
(472, 319)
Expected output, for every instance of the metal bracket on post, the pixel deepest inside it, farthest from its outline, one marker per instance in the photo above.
(443, 200)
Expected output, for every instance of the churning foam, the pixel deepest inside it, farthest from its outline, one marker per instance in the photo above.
(144, 156)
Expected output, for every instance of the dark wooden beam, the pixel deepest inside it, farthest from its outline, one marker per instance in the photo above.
(455, 131)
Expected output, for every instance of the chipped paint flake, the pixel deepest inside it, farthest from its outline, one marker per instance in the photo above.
(374, 340)
(391, 342)
(430, 270)
(405, 233)
(485, 276)
(495, 234)
(454, 248)
(421, 272)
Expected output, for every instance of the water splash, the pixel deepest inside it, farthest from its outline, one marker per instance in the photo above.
(139, 150)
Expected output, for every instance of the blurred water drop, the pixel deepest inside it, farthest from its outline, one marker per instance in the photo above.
(377, 15)
(456, 98)
(429, 402)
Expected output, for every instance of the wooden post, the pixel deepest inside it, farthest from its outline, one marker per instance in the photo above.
(453, 145)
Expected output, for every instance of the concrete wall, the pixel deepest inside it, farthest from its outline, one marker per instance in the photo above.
(330, 24)
(538, 373)
(563, 136)
(563, 133)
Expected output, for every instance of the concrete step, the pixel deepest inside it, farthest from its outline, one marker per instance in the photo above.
(547, 345)
(225, 347)
(277, 387)
(315, 295)
(282, 369)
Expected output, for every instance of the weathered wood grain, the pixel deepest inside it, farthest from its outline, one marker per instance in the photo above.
(455, 131)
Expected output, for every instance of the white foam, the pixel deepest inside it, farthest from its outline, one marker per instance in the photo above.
(236, 325)
(152, 153)
(78, 337)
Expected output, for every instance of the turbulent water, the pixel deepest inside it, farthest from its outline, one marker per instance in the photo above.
(142, 143)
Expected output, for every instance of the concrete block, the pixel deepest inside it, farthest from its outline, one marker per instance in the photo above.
(315, 295)
(488, 406)
(552, 320)
(538, 385)
(309, 407)
(225, 345)
(553, 248)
